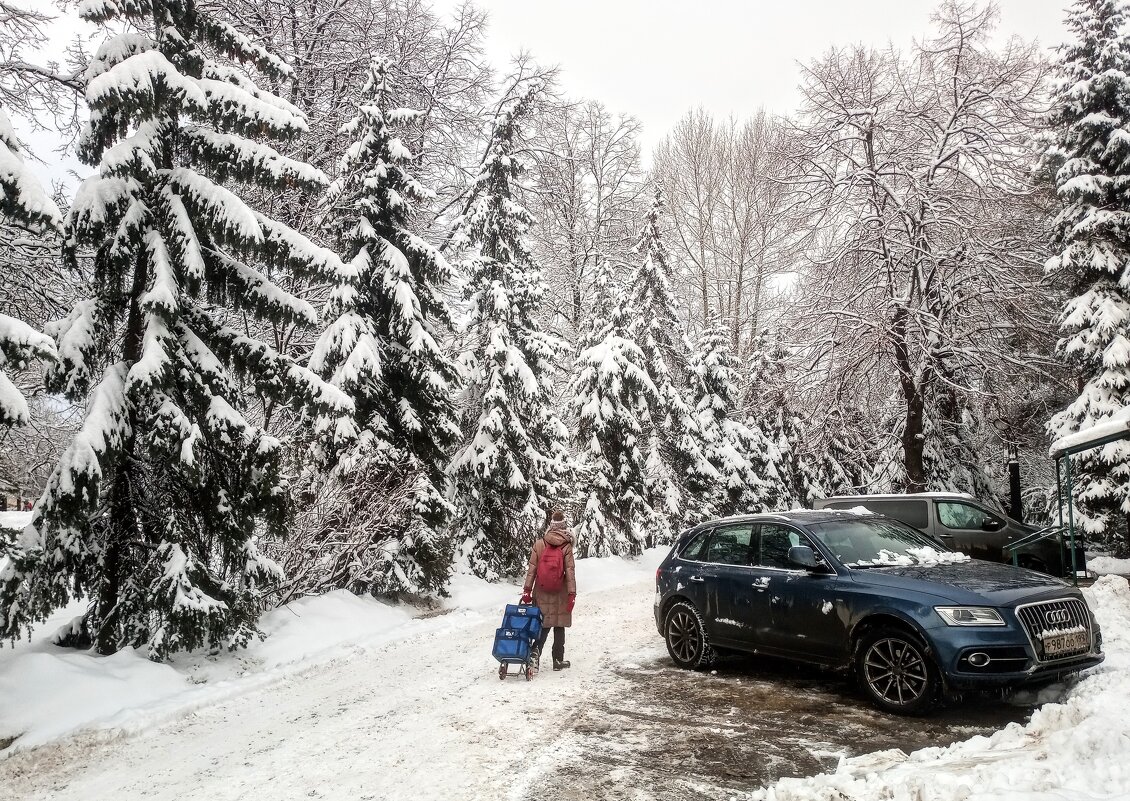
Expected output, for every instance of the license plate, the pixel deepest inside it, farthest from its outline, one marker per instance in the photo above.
(1062, 643)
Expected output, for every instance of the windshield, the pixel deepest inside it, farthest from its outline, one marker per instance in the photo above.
(870, 542)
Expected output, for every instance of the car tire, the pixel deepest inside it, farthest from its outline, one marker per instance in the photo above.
(896, 672)
(685, 634)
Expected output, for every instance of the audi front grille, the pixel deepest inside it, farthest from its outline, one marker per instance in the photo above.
(1050, 618)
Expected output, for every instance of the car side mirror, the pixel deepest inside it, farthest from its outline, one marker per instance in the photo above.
(803, 556)
(991, 524)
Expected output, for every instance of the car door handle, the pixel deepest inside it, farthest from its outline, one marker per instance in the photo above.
(696, 578)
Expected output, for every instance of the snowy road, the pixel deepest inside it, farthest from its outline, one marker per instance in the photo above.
(427, 718)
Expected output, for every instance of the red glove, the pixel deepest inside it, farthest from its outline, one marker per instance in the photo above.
(526, 597)
(572, 600)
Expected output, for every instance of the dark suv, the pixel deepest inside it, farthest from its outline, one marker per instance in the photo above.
(963, 523)
(864, 592)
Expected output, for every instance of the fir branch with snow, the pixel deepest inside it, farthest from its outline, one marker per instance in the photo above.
(24, 203)
(154, 510)
(613, 400)
(1091, 246)
(513, 462)
(681, 475)
(745, 460)
(383, 348)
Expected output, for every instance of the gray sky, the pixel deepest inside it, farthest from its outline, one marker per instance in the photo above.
(655, 59)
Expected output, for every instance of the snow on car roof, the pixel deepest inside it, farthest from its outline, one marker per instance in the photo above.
(898, 496)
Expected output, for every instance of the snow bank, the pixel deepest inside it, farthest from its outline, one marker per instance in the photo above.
(1108, 564)
(14, 520)
(1076, 749)
(48, 692)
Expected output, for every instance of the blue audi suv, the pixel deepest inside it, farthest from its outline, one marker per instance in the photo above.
(870, 594)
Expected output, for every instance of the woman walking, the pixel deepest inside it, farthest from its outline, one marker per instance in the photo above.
(551, 583)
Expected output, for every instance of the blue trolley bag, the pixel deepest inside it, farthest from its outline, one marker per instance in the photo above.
(521, 625)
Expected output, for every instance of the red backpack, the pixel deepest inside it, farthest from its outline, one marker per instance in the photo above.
(551, 569)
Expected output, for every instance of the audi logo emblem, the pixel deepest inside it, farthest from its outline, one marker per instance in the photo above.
(1057, 616)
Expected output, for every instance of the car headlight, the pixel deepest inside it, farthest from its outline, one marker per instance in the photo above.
(969, 615)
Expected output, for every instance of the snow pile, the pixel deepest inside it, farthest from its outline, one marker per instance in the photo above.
(1071, 750)
(930, 556)
(14, 520)
(925, 556)
(48, 692)
(1108, 564)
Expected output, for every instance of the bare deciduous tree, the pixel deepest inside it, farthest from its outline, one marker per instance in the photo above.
(587, 187)
(733, 215)
(917, 163)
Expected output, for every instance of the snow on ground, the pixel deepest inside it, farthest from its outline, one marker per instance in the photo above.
(1077, 749)
(421, 715)
(47, 692)
(14, 520)
(349, 699)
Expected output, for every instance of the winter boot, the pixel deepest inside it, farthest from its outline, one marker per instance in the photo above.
(535, 658)
(560, 664)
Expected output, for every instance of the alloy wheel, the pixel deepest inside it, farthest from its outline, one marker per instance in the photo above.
(896, 671)
(684, 636)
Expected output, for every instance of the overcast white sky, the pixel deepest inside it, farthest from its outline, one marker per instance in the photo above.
(655, 59)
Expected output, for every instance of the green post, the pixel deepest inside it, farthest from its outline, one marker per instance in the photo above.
(1071, 519)
(1059, 491)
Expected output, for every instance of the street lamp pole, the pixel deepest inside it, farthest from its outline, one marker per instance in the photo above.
(1015, 502)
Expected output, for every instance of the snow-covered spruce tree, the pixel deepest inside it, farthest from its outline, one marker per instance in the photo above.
(779, 452)
(843, 451)
(513, 462)
(681, 476)
(381, 348)
(1091, 243)
(613, 398)
(153, 510)
(953, 456)
(746, 479)
(22, 203)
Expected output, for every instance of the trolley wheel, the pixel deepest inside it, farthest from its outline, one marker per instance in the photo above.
(502, 671)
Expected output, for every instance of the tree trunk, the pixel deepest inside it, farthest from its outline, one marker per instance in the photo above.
(914, 424)
(912, 444)
(122, 518)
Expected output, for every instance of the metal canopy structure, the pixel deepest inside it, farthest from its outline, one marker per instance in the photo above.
(1113, 430)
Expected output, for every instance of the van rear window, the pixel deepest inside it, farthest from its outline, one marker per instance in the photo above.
(909, 511)
(913, 513)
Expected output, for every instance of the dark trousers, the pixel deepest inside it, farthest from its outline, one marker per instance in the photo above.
(558, 642)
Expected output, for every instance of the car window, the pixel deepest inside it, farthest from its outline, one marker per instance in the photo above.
(775, 543)
(954, 514)
(695, 548)
(866, 539)
(730, 545)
